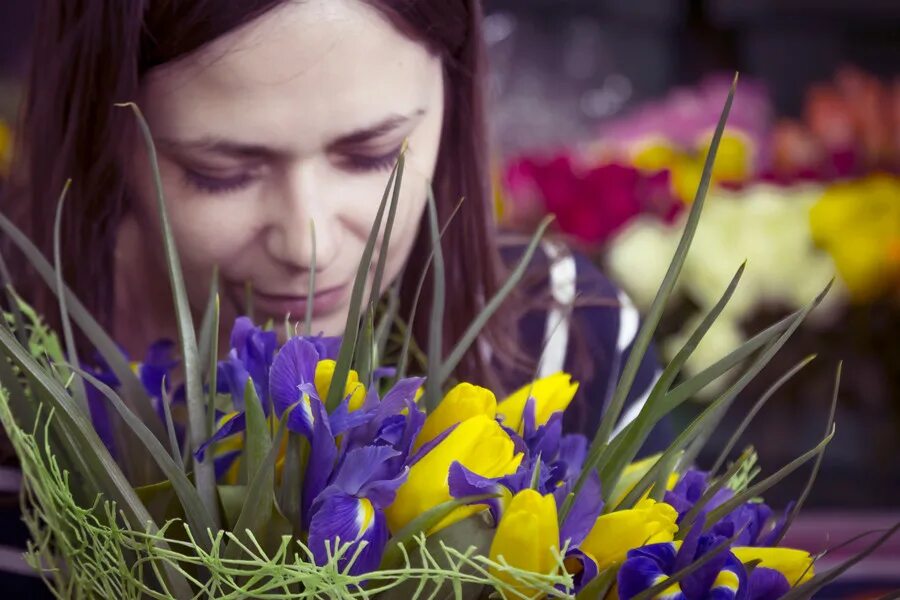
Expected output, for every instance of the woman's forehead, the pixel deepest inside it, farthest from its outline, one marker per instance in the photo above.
(317, 68)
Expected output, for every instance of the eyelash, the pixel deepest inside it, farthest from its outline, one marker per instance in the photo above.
(224, 185)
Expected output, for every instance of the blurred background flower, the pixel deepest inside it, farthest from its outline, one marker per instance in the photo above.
(601, 113)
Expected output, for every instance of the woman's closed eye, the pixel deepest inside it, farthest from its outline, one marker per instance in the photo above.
(218, 183)
(365, 162)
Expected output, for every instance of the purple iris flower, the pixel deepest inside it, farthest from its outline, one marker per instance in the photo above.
(722, 578)
(251, 355)
(351, 509)
(750, 521)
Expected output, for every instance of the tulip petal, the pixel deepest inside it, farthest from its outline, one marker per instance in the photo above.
(341, 518)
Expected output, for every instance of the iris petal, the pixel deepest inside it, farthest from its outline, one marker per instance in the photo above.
(295, 365)
(231, 424)
(767, 584)
(341, 518)
(463, 482)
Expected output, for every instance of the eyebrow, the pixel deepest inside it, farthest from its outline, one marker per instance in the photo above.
(356, 137)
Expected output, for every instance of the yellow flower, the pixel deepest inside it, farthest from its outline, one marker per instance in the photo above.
(795, 565)
(462, 402)
(353, 388)
(551, 394)
(858, 223)
(615, 533)
(479, 444)
(527, 538)
(6, 146)
(633, 473)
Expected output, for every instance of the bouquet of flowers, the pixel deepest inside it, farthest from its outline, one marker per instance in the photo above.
(312, 470)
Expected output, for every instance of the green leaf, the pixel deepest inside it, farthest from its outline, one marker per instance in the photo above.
(685, 526)
(653, 316)
(12, 299)
(407, 337)
(209, 326)
(170, 425)
(388, 228)
(257, 439)
(625, 447)
(732, 442)
(829, 423)
(393, 555)
(758, 489)
(600, 586)
(257, 510)
(133, 391)
(433, 380)
(494, 304)
(78, 391)
(351, 329)
(295, 458)
(194, 510)
(204, 472)
(213, 369)
(809, 589)
(307, 319)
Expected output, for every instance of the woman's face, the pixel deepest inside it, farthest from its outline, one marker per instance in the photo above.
(296, 118)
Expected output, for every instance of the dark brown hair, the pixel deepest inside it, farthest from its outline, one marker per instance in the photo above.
(90, 54)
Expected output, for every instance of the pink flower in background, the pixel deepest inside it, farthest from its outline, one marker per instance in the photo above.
(590, 203)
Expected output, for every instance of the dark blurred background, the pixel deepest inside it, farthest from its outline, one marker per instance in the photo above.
(562, 70)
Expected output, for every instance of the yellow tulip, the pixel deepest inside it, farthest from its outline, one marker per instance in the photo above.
(551, 394)
(795, 565)
(462, 402)
(527, 538)
(353, 388)
(615, 533)
(479, 444)
(633, 473)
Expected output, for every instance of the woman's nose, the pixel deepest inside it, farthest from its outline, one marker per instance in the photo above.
(295, 213)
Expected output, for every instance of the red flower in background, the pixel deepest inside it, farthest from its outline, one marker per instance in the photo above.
(590, 203)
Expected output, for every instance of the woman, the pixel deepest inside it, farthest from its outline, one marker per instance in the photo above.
(269, 115)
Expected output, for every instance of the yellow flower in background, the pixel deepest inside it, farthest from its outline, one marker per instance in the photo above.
(795, 565)
(353, 387)
(615, 533)
(462, 402)
(527, 538)
(479, 444)
(551, 394)
(858, 223)
(6, 146)
(734, 161)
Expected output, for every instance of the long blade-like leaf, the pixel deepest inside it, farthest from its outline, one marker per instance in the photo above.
(685, 525)
(351, 328)
(748, 418)
(78, 391)
(759, 488)
(436, 320)
(407, 337)
(626, 446)
(133, 391)
(808, 589)
(468, 338)
(195, 512)
(18, 320)
(310, 301)
(213, 370)
(654, 315)
(393, 556)
(257, 439)
(204, 472)
(798, 506)
(209, 326)
(257, 510)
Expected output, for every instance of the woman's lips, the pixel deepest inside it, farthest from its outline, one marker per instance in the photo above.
(324, 302)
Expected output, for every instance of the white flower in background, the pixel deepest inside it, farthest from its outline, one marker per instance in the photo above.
(639, 256)
(765, 225)
(723, 337)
